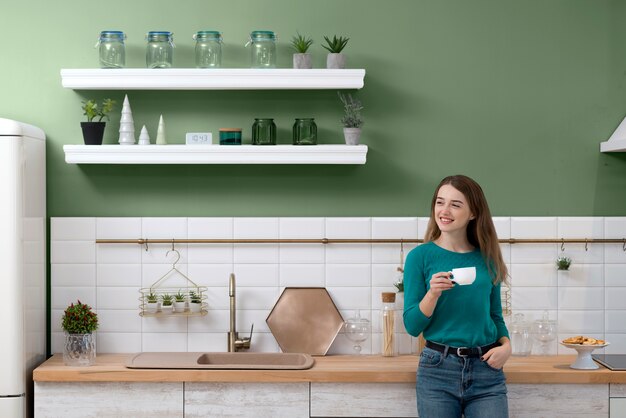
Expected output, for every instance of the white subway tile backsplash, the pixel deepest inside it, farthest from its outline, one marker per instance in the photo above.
(618, 343)
(73, 229)
(587, 299)
(581, 298)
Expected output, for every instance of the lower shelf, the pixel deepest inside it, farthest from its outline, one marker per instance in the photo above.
(215, 154)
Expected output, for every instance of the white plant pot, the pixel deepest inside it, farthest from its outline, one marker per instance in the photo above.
(336, 61)
(179, 307)
(166, 309)
(195, 307)
(352, 135)
(302, 61)
(152, 307)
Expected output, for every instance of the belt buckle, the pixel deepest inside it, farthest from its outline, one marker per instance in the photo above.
(460, 349)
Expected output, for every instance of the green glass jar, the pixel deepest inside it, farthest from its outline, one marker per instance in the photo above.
(208, 50)
(160, 49)
(111, 49)
(264, 132)
(305, 132)
(262, 49)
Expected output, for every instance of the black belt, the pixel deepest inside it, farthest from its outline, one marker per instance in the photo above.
(462, 351)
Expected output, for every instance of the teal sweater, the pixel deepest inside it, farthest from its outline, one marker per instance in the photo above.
(465, 316)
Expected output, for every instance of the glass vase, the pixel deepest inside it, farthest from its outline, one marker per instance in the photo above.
(305, 132)
(264, 132)
(79, 350)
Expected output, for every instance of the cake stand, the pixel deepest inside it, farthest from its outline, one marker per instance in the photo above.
(584, 361)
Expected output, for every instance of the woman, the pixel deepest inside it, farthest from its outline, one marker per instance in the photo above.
(467, 343)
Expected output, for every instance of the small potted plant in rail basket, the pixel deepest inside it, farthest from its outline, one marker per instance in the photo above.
(166, 303)
(301, 59)
(195, 302)
(79, 322)
(563, 263)
(152, 303)
(335, 59)
(93, 130)
(352, 120)
(179, 302)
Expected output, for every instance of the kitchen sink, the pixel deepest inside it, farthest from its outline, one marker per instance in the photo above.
(221, 360)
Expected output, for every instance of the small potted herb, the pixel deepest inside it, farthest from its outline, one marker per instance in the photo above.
(352, 119)
(563, 263)
(301, 59)
(93, 130)
(179, 302)
(195, 302)
(79, 322)
(166, 303)
(335, 59)
(152, 303)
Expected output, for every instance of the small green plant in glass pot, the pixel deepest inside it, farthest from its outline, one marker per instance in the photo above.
(93, 130)
(79, 322)
(152, 303)
(166, 303)
(352, 120)
(301, 59)
(195, 302)
(563, 263)
(179, 302)
(335, 59)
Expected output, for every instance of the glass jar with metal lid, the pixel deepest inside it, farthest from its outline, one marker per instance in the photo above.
(208, 49)
(262, 49)
(111, 49)
(160, 49)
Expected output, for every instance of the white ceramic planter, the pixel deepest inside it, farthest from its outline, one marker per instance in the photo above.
(352, 135)
(335, 61)
(152, 307)
(179, 307)
(195, 307)
(167, 309)
(302, 61)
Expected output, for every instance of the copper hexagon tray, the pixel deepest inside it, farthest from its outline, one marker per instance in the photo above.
(305, 320)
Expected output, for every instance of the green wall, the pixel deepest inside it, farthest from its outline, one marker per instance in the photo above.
(517, 94)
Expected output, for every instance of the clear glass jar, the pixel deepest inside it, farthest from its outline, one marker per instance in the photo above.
(520, 331)
(160, 49)
(305, 132)
(111, 49)
(208, 49)
(262, 49)
(389, 346)
(264, 132)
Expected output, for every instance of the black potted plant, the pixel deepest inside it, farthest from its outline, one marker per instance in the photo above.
(93, 131)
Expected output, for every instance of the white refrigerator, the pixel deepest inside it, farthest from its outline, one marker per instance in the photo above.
(23, 263)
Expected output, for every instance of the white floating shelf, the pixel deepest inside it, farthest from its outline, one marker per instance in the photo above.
(617, 141)
(211, 79)
(215, 154)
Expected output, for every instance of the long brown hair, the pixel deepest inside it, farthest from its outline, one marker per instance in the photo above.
(481, 232)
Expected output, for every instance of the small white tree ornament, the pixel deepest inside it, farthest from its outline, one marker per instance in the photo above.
(127, 125)
(144, 138)
(160, 139)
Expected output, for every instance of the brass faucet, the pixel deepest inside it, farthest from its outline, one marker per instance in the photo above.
(234, 342)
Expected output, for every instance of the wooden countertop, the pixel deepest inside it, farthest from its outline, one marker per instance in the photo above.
(355, 369)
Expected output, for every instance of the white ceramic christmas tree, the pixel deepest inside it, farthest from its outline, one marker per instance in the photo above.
(144, 138)
(127, 125)
(160, 139)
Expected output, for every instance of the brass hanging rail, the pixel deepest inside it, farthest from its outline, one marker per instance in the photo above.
(146, 241)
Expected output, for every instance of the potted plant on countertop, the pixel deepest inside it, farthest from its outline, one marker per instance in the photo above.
(335, 59)
(79, 322)
(195, 302)
(93, 131)
(166, 303)
(352, 120)
(179, 302)
(301, 59)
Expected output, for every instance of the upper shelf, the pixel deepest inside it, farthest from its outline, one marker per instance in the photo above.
(617, 141)
(211, 79)
(215, 154)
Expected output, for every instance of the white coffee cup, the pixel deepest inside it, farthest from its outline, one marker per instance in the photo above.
(463, 276)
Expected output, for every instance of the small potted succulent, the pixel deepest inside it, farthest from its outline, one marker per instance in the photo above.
(152, 303)
(352, 120)
(335, 59)
(166, 303)
(195, 302)
(301, 59)
(79, 322)
(563, 263)
(179, 302)
(93, 130)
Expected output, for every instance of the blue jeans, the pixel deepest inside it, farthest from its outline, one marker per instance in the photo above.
(451, 386)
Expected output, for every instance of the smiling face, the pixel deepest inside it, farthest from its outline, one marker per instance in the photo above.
(451, 210)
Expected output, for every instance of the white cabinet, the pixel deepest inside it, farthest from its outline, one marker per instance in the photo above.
(108, 399)
(259, 400)
(558, 400)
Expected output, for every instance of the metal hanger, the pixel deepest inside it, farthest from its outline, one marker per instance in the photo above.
(173, 269)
